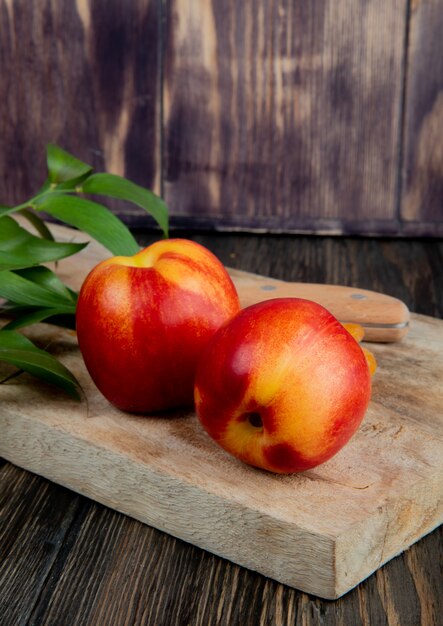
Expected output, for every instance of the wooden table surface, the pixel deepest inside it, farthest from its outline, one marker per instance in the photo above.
(67, 561)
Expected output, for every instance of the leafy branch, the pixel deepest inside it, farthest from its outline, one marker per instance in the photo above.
(34, 293)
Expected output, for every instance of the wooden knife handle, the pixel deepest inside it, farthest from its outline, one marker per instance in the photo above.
(384, 318)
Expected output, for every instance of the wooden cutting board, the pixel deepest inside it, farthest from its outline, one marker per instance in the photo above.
(322, 531)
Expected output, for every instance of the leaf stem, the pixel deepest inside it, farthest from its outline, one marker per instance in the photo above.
(31, 203)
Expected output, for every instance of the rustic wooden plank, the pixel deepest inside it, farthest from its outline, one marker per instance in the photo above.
(35, 519)
(279, 114)
(130, 565)
(422, 199)
(86, 76)
(424, 565)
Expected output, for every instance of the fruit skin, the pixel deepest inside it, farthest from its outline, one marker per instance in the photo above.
(289, 364)
(143, 321)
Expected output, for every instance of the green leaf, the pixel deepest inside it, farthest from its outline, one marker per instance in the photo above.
(38, 224)
(74, 184)
(5, 210)
(60, 316)
(19, 248)
(92, 218)
(46, 278)
(19, 351)
(118, 187)
(21, 290)
(63, 166)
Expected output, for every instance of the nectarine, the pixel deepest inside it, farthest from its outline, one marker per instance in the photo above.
(142, 322)
(283, 385)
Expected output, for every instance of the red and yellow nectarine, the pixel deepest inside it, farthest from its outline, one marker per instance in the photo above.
(283, 385)
(143, 321)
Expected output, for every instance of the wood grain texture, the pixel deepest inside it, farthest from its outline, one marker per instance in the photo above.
(50, 515)
(281, 114)
(271, 115)
(84, 75)
(422, 202)
(141, 576)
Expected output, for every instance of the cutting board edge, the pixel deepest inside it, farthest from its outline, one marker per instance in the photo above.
(246, 524)
(48, 451)
(403, 522)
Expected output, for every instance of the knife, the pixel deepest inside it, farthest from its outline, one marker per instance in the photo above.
(384, 318)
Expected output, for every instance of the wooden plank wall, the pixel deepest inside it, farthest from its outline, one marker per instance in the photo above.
(422, 191)
(279, 115)
(294, 123)
(85, 75)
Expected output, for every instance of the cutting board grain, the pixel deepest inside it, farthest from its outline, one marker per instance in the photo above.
(322, 531)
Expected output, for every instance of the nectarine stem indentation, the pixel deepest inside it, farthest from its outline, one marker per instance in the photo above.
(255, 420)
